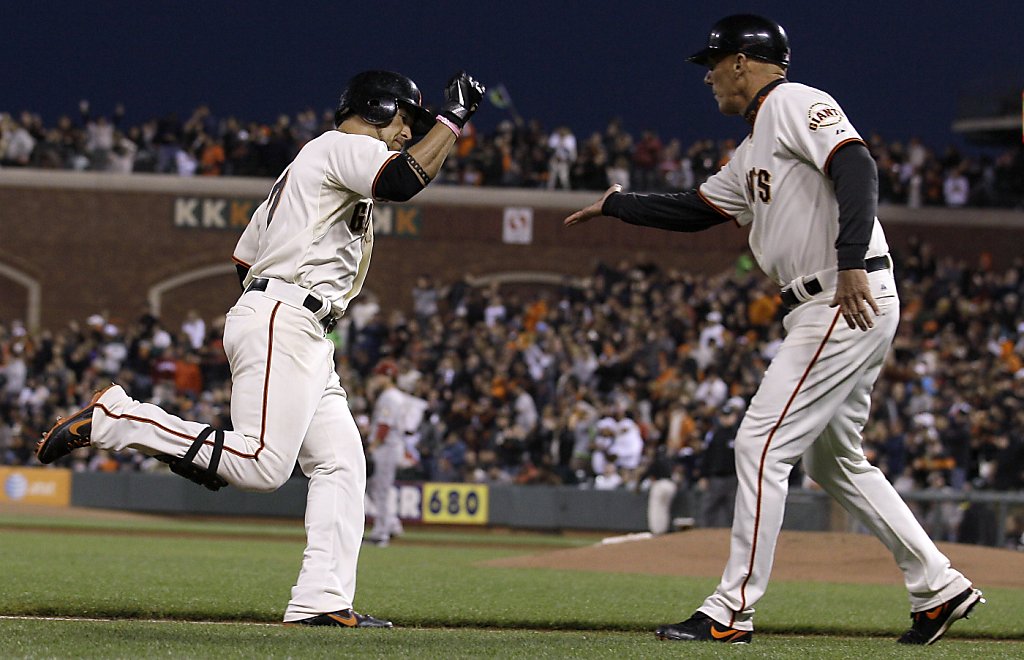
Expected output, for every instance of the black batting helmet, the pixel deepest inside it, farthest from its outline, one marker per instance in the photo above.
(375, 97)
(754, 36)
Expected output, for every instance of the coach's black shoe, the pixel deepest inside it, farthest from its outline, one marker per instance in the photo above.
(702, 628)
(347, 618)
(69, 433)
(930, 625)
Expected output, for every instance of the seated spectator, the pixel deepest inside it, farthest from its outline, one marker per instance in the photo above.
(609, 479)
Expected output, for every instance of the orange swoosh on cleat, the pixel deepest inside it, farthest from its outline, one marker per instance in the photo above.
(349, 620)
(724, 634)
(934, 613)
(73, 429)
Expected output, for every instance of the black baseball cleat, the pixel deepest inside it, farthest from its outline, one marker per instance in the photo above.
(702, 628)
(347, 618)
(930, 625)
(69, 433)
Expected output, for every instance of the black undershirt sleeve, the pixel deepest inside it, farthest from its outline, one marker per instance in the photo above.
(855, 177)
(242, 272)
(685, 211)
(398, 180)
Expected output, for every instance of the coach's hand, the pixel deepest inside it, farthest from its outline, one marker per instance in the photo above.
(462, 96)
(592, 211)
(852, 291)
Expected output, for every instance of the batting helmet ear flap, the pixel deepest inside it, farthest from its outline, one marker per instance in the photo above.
(379, 111)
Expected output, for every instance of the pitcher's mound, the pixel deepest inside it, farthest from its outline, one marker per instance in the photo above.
(800, 556)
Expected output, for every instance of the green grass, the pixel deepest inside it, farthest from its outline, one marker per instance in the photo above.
(446, 604)
(142, 639)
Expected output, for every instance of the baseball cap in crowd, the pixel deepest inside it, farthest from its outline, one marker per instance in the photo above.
(386, 368)
(734, 404)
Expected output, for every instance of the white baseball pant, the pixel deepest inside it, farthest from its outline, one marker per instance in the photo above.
(813, 403)
(287, 404)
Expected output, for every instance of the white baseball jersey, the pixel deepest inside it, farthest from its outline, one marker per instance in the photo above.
(628, 446)
(776, 183)
(315, 229)
(390, 411)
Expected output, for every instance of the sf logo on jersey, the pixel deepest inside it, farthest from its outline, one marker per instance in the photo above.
(759, 183)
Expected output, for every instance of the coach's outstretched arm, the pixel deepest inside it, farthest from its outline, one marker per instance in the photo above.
(592, 211)
(686, 211)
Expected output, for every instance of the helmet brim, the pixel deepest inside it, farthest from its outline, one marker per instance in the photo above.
(702, 56)
(422, 119)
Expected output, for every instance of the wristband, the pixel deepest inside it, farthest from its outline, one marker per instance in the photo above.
(450, 124)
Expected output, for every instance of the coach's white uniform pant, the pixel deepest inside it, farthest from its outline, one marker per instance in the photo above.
(813, 403)
(286, 404)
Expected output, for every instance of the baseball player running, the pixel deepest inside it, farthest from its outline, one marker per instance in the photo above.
(806, 185)
(301, 261)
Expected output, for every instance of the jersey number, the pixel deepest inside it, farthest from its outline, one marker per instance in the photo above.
(760, 181)
(275, 196)
(360, 217)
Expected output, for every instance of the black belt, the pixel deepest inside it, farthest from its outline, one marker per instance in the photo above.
(813, 286)
(312, 303)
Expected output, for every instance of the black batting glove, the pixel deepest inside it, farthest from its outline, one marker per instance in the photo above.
(462, 96)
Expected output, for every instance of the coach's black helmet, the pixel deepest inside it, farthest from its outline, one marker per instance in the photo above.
(754, 36)
(376, 96)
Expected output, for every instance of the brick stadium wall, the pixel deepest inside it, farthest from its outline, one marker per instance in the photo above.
(101, 242)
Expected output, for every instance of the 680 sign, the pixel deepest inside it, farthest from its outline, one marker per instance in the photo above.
(461, 504)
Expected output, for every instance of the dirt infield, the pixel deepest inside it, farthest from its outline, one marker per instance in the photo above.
(800, 556)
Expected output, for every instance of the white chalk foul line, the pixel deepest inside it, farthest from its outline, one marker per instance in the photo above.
(86, 619)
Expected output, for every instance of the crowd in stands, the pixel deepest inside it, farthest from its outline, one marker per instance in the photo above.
(518, 153)
(587, 385)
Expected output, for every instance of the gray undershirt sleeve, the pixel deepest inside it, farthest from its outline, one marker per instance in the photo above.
(855, 177)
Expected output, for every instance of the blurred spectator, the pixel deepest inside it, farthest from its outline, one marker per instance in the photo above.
(661, 489)
(562, 145)
(168, 140)
(609, 479)
(618, 173)
(194, 328)
(425, 298)
(717, 468)
(16, 142)
(646, 159)
(123, 153)
(956, 189)
(627, 447)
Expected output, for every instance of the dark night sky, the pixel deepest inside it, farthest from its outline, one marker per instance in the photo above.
(898, 68)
